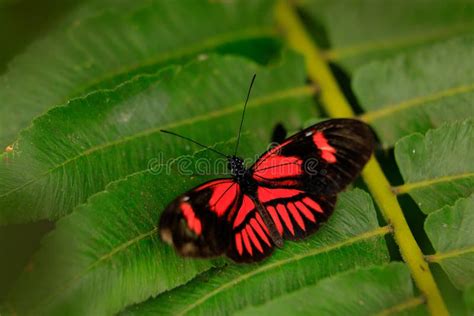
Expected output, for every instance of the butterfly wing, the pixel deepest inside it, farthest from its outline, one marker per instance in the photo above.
(295, 213)
(216, 218)
(197, 223)
(322, 159)
(251, 240)
(299, 179)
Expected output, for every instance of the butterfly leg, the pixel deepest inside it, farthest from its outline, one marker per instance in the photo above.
(274, 235)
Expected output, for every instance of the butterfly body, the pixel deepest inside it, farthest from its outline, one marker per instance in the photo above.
(240, 173)
(286, 194)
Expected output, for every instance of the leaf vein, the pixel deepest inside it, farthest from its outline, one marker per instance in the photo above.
(387, 110)
(408, 187)
(407, 304)
(440, 256)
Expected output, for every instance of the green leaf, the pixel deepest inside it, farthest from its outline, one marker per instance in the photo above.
(450, 231)
(368, 291)
(366, 30)
(417, 91)
(437, 168)
(120, 74)
(111, 46)
(469, 299)
(106, 254)
(74, 151)
(351, 238)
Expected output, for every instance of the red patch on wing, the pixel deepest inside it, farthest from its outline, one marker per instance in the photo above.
(256, 226)
(276, 167)
(327, 151)
(193, 222)
(253, 238)
(276, 220)
(247, 242)
(286, 217)
(265, 194)
(311, 203)
(245, 208)
(238, 243)
(224, 195)
(306, 212)
(296, 215)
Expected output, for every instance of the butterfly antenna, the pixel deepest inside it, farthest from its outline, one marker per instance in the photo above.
(195, 142)
(243, 114)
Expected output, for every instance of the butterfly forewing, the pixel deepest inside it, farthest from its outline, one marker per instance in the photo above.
(197, 222)
(321, 159)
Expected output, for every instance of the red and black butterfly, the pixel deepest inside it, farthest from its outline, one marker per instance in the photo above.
(287, 193)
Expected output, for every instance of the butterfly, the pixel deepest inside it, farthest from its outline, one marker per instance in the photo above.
(285, 195)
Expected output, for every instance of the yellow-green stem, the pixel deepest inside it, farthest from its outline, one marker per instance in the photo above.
(337, 106)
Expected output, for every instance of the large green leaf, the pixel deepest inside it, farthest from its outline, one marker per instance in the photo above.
(74, 151)
(437, 167)
(450, 231)
(351, 238)
(107, 253)
(369, 291)
(418, 91)
(111, 46)
(359, 31)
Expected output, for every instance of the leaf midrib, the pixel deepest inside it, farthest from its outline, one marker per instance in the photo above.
(379, 231)
(390, 109)
(362, 48)
(408, 187)
(403, 306)
(257, 102)
(440, 256)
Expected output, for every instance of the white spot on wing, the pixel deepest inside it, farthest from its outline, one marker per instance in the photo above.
(166, 236)
(309, 133)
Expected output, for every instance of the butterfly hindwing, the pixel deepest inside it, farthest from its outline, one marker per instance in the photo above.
(295, 213)
(322, 159)
(197, 222)
(251, 240)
